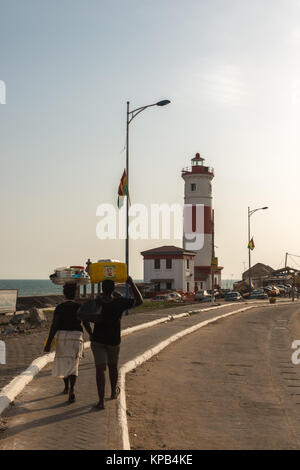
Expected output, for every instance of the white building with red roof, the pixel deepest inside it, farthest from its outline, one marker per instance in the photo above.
(169, 268)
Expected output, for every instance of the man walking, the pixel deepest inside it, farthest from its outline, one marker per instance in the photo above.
(106, 337)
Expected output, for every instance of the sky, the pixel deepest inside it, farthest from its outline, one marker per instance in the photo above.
(232, 73)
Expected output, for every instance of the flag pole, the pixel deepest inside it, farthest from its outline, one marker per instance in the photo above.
(127, 201)
(249, 251)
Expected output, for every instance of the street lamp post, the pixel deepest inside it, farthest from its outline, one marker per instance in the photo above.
(130, 116)
(251, 212)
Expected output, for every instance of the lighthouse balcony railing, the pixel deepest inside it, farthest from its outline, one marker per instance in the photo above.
(198, 169)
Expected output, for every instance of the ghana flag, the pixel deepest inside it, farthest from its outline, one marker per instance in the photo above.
(123, 189)
(251, 244)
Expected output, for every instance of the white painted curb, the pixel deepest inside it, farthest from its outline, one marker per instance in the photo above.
(122, 414)
(10, 391)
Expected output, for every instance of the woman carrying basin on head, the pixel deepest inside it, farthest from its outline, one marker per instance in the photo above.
(68, 332)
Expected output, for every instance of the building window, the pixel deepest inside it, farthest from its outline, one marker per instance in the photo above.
(193, 187)
(157, 264)
(188, 287)
(169, 285)
(201, 285)
(188, 264)
(168, 263)
(157, 286)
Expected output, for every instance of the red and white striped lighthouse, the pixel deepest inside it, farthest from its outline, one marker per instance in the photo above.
(198, 191)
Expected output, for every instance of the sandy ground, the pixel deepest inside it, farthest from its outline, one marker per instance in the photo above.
(231, 385)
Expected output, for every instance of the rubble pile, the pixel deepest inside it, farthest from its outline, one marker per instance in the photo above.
(24, 321)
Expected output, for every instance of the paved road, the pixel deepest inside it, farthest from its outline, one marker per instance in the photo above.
(230, 385)
(42, 419)
(22, 349)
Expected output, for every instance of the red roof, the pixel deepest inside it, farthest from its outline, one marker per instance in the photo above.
(197, 157)
(167, 250)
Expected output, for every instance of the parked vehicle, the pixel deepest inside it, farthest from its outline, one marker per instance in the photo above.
(220, 294)
(200, 294)
(176, 297)
(272, 291)
(160, 298)
(169, 297)
(206, 298)
(225, 291)
(282, 289)
(233, 296)
(276, 290)
(258, 294)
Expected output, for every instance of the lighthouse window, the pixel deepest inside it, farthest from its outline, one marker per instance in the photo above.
(168, 263)
(193, 187)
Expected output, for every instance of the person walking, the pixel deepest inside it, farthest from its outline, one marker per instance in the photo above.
(68, 332)
(106, 337)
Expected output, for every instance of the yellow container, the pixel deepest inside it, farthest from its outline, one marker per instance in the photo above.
(52, 343)
(103, 270)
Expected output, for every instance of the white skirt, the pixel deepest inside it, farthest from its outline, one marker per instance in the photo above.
(68, 352)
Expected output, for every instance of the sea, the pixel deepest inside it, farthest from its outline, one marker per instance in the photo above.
(32, 287)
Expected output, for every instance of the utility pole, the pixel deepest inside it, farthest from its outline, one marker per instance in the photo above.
(251, 212)
(249, 251)
(293, 288)
(212, 258)
(293, 283)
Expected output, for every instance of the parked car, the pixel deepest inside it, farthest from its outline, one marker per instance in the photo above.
(168, 297)
(225, 291)
(272, 291)
(200, 294)
(232, 296)
(160, 298)
(176, 297)
(276, 290)
(206, 298)
(220, 294)
(282, 289)
(257, 294)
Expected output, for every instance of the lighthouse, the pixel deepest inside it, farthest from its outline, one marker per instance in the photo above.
(198, 200)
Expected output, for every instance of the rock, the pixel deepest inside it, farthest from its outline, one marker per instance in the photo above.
(9, 329)
(17, 318)
(36, 316)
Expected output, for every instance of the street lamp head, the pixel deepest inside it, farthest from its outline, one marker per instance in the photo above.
(163, 103)
(265, 208)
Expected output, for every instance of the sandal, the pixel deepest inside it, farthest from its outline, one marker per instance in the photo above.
(99, 406)
(71, 397)
(116, 394)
